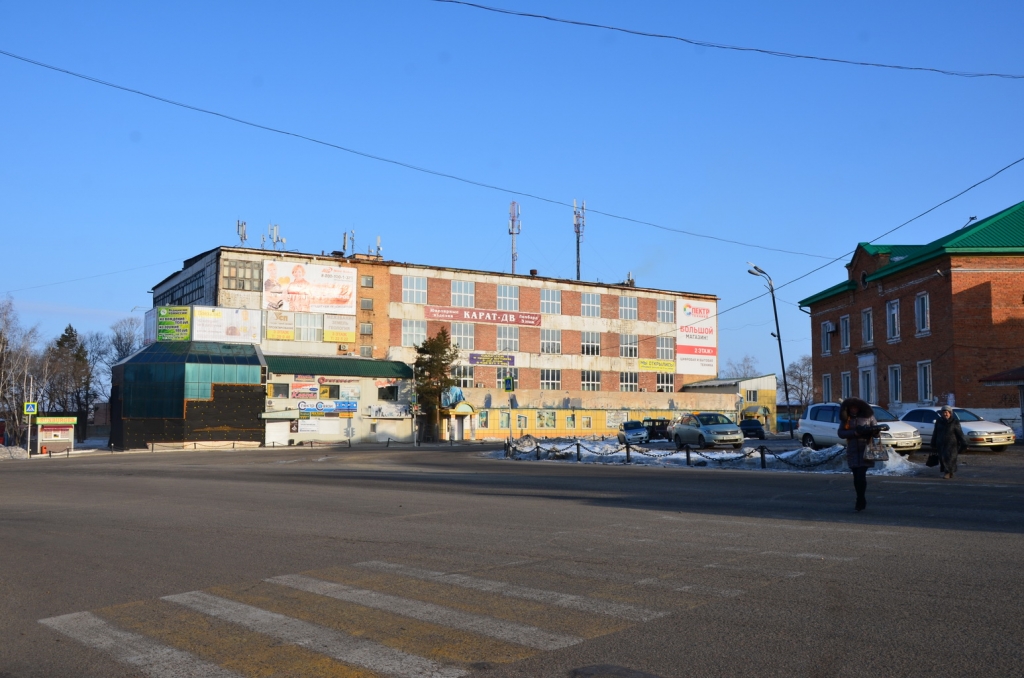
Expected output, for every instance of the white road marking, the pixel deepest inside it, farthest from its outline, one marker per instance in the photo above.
(692, 588)
(566, 600)
(326, 641)
(149, 656)
(508, 631)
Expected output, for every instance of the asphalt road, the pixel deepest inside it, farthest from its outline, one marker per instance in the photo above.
(439, 562)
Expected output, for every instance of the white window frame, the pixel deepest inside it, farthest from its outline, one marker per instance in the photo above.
(414, 332)
(366, 329)
(629, 346)
(845, 385)
(826, 388)
(629, 381)
(922, 314)
(925, 388)
(503, 372)
(463, 376)
(590, 305)
(309, 327)
(366, 281)
(590, 380)
(508, 338)
(464, 293)
(895, 384)
(551, 302)
(590, 343)
(550, 380)
(366, 351)
(751, 395)
(666, 311)
(551, 341)
(866, 377)
(464, 336)
(867, 327)
(844, 333)
(508, 297)
(826, 338)
(627, 308)
(666, 382)
(414, 289)
(666, 348)
(892, 320)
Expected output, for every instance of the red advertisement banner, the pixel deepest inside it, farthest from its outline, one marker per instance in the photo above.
(476, 315)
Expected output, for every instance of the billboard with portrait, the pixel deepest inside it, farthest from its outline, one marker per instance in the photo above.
(309, 288)
(229, 325)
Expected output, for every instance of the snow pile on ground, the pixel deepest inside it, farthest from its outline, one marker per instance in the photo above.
(13, 453)
(828, 460)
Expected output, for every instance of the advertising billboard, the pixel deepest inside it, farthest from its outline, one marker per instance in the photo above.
(280, 325)
(309, 288)
(476, 315)
(340, 329)
(230, 325)
(173, 323)
(149, 327)
(495, 359)
(697, 337)
(655, 365)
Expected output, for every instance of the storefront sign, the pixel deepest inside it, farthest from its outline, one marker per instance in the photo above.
(173, 323)
(612, 418)
(339, 329)
(230, 325)
(662, 366)
(309, 288)
(328, 405)
(697, 337)
(495, 359)
(56, 421)
(475, 315)
(337, 380)
(309, 426)
(280, 326)
(305, 391)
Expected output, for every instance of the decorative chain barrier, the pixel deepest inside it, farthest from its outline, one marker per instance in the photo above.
(796, 464)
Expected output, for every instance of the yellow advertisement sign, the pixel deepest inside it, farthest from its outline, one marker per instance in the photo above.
(339, 329)
(281, 325)
(69, 421)
(653, 365)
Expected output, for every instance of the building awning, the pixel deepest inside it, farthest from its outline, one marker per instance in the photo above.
(338, 367)
(756, 410)
(283, 414)
(1013, 377)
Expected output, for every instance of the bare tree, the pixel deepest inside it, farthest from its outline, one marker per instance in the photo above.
(744, 369)
(18, 358)
(801, 380)
(125, 339)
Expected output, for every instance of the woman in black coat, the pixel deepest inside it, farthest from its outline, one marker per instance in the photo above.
(857, 424)
(948, 440)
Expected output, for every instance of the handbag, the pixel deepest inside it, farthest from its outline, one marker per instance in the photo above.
(875, 451)
(933, 459)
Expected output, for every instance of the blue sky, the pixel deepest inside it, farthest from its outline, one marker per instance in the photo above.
(799, 155)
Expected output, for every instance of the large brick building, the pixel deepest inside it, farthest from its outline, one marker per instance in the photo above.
(921, 324)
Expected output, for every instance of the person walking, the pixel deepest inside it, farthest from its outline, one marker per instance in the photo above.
(948, 441)
(857, 424)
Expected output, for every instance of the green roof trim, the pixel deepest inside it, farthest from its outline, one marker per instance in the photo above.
(844, 286)
(338, 367)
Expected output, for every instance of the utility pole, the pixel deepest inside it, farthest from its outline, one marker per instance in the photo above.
(778, 335)
(579, 220)
(514, 229)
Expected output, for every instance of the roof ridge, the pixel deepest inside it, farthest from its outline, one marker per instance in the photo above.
(990, 220)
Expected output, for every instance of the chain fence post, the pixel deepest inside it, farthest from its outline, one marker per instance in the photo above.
(578, 458)
(537, 447)
(628, 459)
(688, 462)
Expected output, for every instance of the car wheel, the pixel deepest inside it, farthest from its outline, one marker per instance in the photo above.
(737, 446)
(808, 441)
(760, 436)
(679, 443)
(999, 448)
(701, 444)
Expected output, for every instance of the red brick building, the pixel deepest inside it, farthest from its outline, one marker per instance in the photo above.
(921, 324)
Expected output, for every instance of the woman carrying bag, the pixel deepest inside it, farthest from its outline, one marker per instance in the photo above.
(948, 440)
(857, 424)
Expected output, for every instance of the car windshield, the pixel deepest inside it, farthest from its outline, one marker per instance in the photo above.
(712, 419)
(632, 425)
(966, 415)
(882, 415)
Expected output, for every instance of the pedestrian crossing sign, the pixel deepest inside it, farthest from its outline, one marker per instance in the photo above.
(510, 384)
(31, 408)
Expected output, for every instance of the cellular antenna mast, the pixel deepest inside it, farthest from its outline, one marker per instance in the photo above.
(579, 221)
(514, 229)
(240, 227)
(275, 236)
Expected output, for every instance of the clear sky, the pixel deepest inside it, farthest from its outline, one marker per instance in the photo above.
(798, 155)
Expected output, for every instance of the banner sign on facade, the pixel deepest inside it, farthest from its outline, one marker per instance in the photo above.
(57, 421)
(653, 365)
(340, 329)
(612, 418)
(328, 405)
(697, 337)
(309, 288)
(280, 326)
(476, 315)
(305, 391)
(229, 325)
(173, 323)
(149, 327)
(495, 359)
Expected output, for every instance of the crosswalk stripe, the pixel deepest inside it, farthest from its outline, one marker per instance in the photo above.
(566, 600)
(151, 657)
(340, 646)
(513, 632)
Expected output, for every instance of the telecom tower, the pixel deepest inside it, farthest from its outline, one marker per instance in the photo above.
(514, 229)
(242, 237)
(579, 221)
(275, 236)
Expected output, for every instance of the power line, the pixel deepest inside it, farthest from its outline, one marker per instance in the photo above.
(736, 48)
(391, 161)
(90, 277)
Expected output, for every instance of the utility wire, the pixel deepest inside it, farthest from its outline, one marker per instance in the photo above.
(90, 277)
(391, 161)
(736, 48)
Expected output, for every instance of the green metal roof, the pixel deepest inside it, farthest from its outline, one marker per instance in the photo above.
(337, 367)
(844, 286)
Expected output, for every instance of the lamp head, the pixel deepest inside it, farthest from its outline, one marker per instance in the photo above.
(752, 272)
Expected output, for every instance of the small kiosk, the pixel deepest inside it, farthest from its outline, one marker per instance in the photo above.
(55, 434)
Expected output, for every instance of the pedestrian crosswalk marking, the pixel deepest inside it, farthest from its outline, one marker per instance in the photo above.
(152, 658)
(342, 647)
(567, 600)
(487, 626)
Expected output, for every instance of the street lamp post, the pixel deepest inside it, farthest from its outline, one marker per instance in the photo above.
(754, 270)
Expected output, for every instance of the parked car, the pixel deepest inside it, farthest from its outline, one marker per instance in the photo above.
(819, 427)
(979, 433)
(633, 432)
(657, 429)
(752, 428)
(705, 429)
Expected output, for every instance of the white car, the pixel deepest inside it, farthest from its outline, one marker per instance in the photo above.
(819, 427)
(979, 433)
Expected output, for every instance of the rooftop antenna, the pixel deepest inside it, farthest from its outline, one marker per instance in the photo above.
(275, 236)
(514, 229)
(579, 220)
(344, 242)
(352, 240)
(263, 242)
(379, 249)
(240, 228)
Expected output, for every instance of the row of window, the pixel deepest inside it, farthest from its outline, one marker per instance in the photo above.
(544, 418)
(922, 324)
(867, 387)
(551, 380)
(414, 291)
(192, 290)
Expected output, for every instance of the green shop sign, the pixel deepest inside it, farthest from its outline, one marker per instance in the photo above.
(174, 323)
